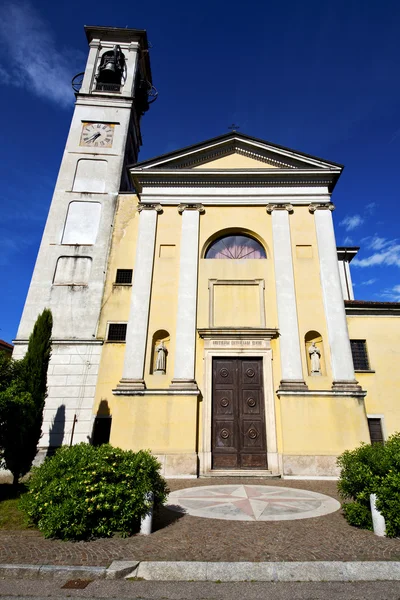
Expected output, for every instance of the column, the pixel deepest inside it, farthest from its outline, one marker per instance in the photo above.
(185, 348)
(90, 67)
(136, 333)
(289, 343)
(341, 357)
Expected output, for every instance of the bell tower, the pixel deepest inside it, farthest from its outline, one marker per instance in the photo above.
(112, 95)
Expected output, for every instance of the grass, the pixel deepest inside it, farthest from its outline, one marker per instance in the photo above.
(11, 517)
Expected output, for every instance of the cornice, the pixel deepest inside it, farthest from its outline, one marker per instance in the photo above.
(228, 178)
(239, 333)
(231, 148)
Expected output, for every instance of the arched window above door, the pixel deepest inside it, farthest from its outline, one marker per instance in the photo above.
(235, 247)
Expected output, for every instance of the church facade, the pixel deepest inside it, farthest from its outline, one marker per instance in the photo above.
(202, 308)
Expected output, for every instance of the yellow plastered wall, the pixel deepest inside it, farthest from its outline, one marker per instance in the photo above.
(322, 425)
(310, 305)
(382, 335)
(254, 220)
(165, 424)
(115, 307)
(164, 293)
(235, 161)
(159, 423)
(116, 298)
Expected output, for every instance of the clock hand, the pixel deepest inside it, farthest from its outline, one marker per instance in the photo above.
(93, 137)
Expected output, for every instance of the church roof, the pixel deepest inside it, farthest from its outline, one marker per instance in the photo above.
(369, 307)
(293, 157)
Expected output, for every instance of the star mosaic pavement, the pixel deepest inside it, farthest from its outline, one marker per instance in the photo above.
(251, 503)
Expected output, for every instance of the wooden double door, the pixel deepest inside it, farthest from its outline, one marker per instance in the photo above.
(238, 416)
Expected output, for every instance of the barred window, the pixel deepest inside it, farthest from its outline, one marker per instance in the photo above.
(360, 356)
(124, 276)
(375, 430)
(116, 332)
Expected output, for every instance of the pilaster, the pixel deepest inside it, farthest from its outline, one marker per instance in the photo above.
(184, 376)
(136, 333)
(339, 342)
(289, 343)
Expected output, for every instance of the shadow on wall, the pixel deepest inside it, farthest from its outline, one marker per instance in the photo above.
(101, 425)
(57, 429)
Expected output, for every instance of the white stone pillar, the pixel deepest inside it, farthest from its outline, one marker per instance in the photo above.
(136, 333)
(289, 343)
(339, 342)
(185, 347)
(87, 82)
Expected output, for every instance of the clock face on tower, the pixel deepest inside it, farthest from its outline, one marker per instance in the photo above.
(97, 135)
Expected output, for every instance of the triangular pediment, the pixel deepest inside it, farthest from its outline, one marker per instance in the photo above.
(235, 151)
(236, 160)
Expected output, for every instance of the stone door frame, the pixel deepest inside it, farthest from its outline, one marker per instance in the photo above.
(238, 344)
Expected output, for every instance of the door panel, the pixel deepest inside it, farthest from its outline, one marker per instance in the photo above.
(238, 429)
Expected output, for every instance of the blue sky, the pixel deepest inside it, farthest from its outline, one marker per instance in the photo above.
(319, 77)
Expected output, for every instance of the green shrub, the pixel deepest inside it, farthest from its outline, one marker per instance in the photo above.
(85, 491)
(372, 469)
(358, 515)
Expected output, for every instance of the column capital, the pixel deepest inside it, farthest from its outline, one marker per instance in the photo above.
(156, 207)
(286, 206)
(95, 43)
(318, 206)
(183, 207)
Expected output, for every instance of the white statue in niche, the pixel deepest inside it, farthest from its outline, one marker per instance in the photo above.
(161, 361)
(315, 357)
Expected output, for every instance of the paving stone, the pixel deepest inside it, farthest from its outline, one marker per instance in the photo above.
(180, 537)
(121, 568)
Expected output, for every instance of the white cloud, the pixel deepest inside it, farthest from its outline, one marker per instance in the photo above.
(348, 241)
(368, 282)
(378, 243)
(30, 57)
(370, 208)
(388, 254)
(351, 223)
(392, 294)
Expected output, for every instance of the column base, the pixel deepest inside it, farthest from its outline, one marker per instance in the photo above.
(183, 384)
(346, 385)
(131, 384)
(293, 384)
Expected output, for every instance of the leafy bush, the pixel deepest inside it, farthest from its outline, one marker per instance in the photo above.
(358, 515)
(86, 491)
(372, 469)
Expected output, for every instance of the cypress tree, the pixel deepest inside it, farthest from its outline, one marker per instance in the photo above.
(23, 391)
(35, 366)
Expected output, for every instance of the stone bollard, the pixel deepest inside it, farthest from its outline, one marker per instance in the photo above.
(378, 520)
(147, 521)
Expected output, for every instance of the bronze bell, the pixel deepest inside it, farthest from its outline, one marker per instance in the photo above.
(111, 66)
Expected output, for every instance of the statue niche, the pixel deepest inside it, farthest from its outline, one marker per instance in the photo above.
(160, 343)
(314, 353)
(111, 70)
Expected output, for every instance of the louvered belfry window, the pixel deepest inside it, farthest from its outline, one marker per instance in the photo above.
(360, 356)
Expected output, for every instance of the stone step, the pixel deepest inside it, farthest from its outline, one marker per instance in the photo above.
(243, 473)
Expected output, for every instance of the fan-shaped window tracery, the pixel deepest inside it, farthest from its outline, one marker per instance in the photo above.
(236, 247)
